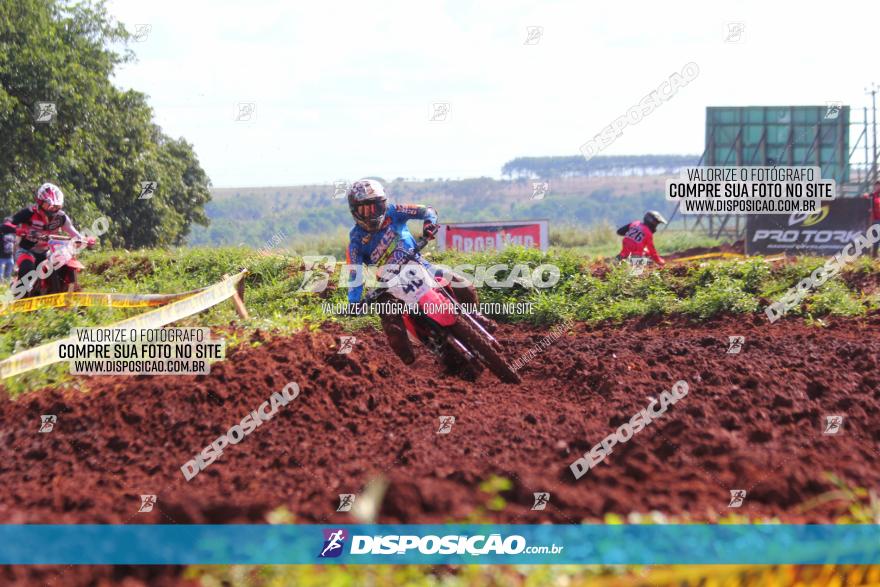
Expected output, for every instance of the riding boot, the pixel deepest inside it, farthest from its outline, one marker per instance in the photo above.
(398, 340)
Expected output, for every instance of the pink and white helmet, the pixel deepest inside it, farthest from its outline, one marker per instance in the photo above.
(51, 194)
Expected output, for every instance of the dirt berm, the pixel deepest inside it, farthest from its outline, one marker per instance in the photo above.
(752, 420)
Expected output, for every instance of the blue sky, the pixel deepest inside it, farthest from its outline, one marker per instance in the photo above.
(346, 89)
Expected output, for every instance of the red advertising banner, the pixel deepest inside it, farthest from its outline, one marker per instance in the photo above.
(472, 237)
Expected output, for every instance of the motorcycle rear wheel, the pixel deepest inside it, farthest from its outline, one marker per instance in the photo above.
(468, 334)
(63, 280)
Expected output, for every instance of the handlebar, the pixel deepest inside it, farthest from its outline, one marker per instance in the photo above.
(48, 237)
(421, 244)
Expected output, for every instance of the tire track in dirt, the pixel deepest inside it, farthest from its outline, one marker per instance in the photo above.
(750, 421)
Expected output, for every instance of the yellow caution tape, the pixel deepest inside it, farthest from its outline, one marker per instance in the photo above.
(76, 299)
(47, 354)
(709, 256)
(770, 259)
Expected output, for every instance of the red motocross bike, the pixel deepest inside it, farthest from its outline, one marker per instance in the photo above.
(61, 274)
(438, 321)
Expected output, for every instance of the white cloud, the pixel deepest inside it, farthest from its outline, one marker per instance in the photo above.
(345, 89)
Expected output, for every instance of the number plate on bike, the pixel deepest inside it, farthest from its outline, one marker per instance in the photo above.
(409, 282)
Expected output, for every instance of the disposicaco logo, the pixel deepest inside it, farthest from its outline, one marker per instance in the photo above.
(334, 544)
(801, 232)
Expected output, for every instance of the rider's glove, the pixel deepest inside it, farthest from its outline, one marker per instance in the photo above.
(429, 230)
(90, 242)
(28, 233)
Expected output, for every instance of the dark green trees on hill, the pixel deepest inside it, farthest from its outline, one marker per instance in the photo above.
(575, 165)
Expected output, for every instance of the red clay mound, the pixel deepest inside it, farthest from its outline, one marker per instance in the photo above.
(751, 421)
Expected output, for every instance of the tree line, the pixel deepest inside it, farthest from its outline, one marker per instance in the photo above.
(577, 165)
(252, 215)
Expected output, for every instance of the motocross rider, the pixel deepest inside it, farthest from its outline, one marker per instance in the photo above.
(36, 222)
(380, 237)
(638, 237)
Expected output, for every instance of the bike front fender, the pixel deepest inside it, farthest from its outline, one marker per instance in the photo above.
(438, 308)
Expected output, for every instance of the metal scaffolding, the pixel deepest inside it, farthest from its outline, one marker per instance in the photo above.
(828, 137)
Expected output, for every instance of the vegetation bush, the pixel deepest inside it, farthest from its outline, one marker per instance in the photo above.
(588, 290)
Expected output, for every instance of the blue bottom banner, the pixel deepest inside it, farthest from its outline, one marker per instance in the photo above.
(439, 544)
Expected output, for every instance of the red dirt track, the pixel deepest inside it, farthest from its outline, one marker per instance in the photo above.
(750, 421)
